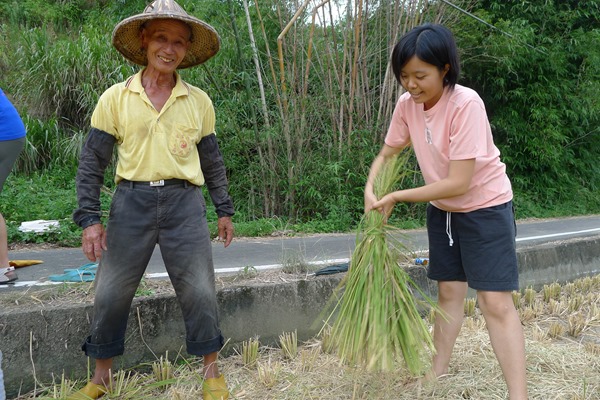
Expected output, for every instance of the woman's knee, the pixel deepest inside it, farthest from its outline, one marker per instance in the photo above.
(452, 291)
(495, 304)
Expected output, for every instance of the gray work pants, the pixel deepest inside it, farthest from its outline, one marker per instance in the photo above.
(141, 216)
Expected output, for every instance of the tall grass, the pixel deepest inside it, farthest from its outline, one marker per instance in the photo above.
(70, 72)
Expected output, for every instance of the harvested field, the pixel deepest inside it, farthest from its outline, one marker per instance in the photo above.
(562, 330)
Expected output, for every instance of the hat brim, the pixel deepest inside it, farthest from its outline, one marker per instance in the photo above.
(205, 41)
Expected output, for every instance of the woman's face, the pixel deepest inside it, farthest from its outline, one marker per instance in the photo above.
(166, 42)
(424, 81)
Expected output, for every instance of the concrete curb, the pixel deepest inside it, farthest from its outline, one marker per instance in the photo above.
(43, 343)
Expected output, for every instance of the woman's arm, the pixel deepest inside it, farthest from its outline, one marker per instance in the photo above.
(455, 184)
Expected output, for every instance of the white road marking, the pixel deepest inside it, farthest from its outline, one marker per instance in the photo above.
(19, 283)
(557, 235)
(258, 267)
(276, 266)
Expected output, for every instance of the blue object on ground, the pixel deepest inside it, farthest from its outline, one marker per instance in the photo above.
(85, 273)
(92, 267)
(2, 392)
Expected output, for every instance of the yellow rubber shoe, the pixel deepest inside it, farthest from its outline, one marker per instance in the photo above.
(215, 389)
(89, 391)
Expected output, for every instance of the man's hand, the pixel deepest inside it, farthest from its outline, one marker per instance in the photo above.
(93, 241)
(225, 227)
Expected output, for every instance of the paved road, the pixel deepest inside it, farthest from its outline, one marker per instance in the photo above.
(268, 253)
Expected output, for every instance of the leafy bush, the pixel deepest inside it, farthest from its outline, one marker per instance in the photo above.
(537, 84)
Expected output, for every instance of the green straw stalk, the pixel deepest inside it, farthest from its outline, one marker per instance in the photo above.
(378, 320)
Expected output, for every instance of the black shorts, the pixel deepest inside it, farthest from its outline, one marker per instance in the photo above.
(477, 247)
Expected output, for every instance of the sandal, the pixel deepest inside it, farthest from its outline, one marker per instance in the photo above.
(75, 275)
(92, 267)
(8, 275)
(89, 391)
(215, 389)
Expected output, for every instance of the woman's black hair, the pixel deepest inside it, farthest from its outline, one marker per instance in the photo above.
(431, 43)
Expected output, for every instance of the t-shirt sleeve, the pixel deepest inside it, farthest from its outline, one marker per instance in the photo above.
(208, 120)
(103, 117)
(468, 132)
(398, 133)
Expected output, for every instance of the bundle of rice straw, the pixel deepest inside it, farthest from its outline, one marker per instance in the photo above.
(377, 316)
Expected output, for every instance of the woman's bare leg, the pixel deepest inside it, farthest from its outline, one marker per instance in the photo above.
(451, 297)
(506, 336)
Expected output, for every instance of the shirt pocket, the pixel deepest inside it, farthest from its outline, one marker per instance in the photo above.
(182, 140)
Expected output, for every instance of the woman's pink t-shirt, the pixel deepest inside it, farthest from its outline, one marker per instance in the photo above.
(456, 128)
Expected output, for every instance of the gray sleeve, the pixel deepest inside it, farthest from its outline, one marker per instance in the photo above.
(215, 175)
(95, 155)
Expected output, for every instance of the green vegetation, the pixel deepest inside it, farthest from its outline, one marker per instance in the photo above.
(541, 90)
(299, 132)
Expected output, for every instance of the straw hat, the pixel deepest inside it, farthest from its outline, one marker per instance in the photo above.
(205, 40)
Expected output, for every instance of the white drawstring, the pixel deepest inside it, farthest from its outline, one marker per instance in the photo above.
(449, 228)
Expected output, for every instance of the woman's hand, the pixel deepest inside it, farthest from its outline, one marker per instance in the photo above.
(370, 199)
(385, 205)
(384, 155)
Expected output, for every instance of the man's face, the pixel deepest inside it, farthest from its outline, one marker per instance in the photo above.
(166, 42)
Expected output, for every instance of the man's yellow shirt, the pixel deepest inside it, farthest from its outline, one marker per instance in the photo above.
(154, 145)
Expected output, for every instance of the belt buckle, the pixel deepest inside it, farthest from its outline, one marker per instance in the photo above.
(157, 183)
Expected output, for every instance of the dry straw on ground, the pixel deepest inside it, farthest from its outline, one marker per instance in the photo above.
(559, 366)
(561, 324)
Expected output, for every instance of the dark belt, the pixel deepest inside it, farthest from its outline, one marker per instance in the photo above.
(160, 183)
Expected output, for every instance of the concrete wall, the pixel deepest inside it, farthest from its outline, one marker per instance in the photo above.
(45, 342)
(559, 261)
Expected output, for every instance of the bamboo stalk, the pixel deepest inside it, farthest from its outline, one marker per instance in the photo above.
(257, 65)
(262, 160)
(271, 205)
(344, 100)
(280, 50)
(354, 67)
(310, 44)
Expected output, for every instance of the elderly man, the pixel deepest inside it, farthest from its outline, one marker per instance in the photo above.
(164, 131)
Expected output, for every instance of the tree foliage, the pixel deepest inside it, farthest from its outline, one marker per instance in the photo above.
(540, 85)
(304, 93)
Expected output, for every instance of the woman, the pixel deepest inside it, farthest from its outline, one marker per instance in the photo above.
(470, 219)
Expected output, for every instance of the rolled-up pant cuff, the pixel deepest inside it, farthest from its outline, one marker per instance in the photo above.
(205, 347)
(103, 350)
